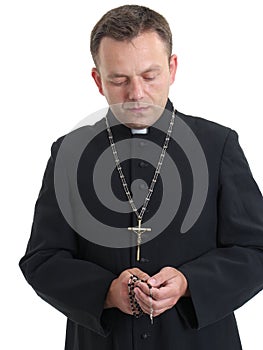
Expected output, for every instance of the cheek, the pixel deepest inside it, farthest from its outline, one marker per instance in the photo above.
(162, 83)
(159, 88)
(159, 92)
(113, 94)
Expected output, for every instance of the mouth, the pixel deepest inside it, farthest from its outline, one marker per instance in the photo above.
(136, 107)
(137, 115)
(137, 110)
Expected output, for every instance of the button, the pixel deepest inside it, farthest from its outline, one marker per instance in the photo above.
(143, 186)
(143, 164)
(145, 335)
(144, 260)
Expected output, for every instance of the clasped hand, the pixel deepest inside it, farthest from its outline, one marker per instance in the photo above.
(168, 286)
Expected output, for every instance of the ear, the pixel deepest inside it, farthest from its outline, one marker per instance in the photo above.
(96, 76)
(173, 68)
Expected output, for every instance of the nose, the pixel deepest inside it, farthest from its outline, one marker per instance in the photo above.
(135, 91)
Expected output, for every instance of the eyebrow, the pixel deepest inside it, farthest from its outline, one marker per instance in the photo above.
(150, 69)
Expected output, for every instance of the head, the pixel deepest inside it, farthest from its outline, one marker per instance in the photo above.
(134, 67)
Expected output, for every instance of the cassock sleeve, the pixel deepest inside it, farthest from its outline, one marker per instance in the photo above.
(224, 278)
(75, 287)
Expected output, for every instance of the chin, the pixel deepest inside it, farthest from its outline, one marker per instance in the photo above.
(136, 126)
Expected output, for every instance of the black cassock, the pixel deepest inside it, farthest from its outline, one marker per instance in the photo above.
(220, 252)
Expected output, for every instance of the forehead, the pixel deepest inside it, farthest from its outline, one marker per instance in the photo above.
(147, 46)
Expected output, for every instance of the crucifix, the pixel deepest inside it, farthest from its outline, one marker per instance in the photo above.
(139, 230)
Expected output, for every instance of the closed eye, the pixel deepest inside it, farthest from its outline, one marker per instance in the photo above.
(149, 78)
(118, 82)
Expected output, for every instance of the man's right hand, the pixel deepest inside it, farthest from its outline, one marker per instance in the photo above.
(118, 295)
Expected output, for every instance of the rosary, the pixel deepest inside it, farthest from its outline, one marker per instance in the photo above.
(135, 307)
(139, 230)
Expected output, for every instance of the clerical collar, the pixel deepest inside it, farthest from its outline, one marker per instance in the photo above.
(126, 131)
(139, 131)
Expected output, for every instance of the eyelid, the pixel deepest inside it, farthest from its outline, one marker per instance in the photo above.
(118, 81)
(149, 77)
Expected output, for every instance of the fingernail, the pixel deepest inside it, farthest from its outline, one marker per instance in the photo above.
(152, 281)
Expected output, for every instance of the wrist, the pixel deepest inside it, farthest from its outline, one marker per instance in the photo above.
(186, 292)
(109, 300)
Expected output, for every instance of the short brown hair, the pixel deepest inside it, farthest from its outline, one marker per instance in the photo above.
(127, 22)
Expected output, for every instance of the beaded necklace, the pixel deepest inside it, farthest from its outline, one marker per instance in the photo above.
(139, 230)
(135, 306)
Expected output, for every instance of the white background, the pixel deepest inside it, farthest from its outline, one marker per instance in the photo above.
(46, 89)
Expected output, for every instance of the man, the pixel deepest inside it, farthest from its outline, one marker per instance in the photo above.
(173, 289)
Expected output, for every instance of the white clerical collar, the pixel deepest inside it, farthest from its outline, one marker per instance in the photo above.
(139, 131)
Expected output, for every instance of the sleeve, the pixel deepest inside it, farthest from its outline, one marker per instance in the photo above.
(51, 266)
(223, 279)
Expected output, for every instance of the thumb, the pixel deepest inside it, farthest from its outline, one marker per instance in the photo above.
(156, 280)
(161, 277)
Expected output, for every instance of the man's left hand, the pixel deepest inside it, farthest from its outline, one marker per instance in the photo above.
(168, 286)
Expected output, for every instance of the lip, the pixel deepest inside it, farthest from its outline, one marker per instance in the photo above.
(137, 109)
(136, 106)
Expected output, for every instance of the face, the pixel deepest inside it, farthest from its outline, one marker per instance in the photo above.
(135, 77)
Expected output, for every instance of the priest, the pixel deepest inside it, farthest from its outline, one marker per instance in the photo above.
(148, 228)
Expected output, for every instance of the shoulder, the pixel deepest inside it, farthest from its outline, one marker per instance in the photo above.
(206, 130)
(78, 137)
(200, 124)
(215, 138)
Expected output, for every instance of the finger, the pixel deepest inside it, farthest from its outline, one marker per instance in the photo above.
(144, 301)
(173, 289)
(154, 312)
(155, 308)
(158, 312)
(158, 293)
(145, 307)
(148, 302)
(144, 287)
(162, 277)
(139, 273)
(163, 292)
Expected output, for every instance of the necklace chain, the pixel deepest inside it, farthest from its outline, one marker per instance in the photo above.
(156, 173)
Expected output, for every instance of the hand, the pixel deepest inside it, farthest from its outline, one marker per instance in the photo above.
(168, 286)
(118, 295)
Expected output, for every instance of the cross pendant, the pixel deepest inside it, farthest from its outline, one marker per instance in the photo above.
(139, 230)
